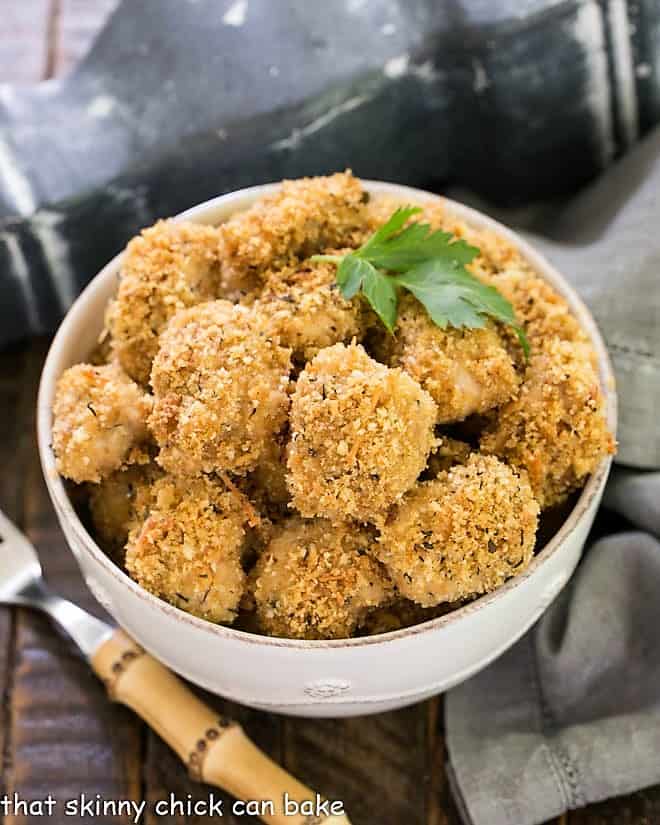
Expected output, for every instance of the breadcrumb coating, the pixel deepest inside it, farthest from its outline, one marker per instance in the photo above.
(461, 535)
(220, 390)
(303, 307)
(316, 580)
(120, 503)
(360, 435)
(380, 208)
(465, 371)
(299, 219)
(188, 551)
(169, 266)
(99, 422)
(556, 428)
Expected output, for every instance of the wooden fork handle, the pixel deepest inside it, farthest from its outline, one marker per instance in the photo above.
(214, 749)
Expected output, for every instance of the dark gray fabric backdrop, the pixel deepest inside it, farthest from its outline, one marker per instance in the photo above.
(180, 100)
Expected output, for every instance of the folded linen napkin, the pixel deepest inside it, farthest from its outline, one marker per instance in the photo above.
(571, 714)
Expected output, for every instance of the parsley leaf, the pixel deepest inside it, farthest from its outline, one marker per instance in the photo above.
(453, 296)
(399, 248)
(430, 265)
(355, 274)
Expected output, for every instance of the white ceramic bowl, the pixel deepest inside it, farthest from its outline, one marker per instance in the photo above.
(319, 678)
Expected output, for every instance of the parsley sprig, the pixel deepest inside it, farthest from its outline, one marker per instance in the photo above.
(430, 265)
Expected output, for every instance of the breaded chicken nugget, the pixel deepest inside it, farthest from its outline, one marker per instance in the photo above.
(188, 551)
(465, 371)
(556, 428)
(300, 218)
(120, 503)
(463, 534)
(220, 390)
(99, 421)
(316, 580)
(304, 308)
(170, 266)
(360, 435)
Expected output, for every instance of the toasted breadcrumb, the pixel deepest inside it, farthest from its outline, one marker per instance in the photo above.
(360, 435)
(169, 266)
(220, 390)
(555, 429)
(188, 551)
(463, 534)
(304, 308)
(99, 422)
(299, 219)
(465, 371)
(381, 207)
(120, 503)
(316, 580)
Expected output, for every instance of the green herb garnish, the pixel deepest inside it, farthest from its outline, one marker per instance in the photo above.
(430, 265)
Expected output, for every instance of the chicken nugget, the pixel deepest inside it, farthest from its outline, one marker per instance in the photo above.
(466, 371)
(220, 390)
(555, 428)
(303, 307)
(360, 435)
(169, 266)
(99, 422)
(317, 581)
(120, 503)
(188, 550)
(462, 534)
(300, 218)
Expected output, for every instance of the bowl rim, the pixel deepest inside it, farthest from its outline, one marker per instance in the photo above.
(240, 199)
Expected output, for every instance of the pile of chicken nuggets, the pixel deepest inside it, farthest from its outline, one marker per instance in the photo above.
(250, 444)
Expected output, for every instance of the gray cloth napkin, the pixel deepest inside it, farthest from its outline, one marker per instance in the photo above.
(571, 714)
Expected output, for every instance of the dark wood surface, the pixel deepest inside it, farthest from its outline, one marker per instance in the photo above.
(58, 732)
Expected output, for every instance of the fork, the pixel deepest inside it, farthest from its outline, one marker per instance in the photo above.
(214, 748)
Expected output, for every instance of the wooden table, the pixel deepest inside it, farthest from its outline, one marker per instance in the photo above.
(58, 732)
